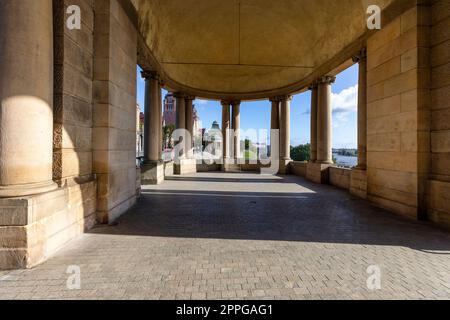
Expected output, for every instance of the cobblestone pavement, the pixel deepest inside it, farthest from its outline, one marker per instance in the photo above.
(216, 235)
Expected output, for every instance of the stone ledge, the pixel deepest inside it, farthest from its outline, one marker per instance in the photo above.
(152, 173)
(298, 168)
(340, 177)
(284, 167)
(168, 168)
(185, 166)
(27, 210)
(318, 172)
(358, 183)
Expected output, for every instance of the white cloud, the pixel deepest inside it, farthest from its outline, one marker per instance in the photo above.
(344, 103)
(200, 102)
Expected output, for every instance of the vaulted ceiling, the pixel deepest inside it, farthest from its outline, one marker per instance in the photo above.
(248, 48)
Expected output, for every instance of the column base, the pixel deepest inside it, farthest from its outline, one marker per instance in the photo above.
(284, 166)
(318, 172)
(152, 173)
(233, 165)
(32, 228)
(185, 166)
(27, 189)
(358, 183)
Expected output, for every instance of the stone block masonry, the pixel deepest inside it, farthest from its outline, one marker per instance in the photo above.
(398, 132)
(33, 228)
(438, 187)
(90, 85)
(114, 95)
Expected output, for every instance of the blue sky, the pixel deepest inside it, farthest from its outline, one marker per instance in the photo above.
(256, 115)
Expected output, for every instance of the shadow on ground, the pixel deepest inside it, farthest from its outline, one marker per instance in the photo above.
(313, 213)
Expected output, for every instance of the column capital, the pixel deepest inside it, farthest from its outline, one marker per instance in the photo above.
(286, 97)
(225, 103)
(179, 95)
(150, 75)
(236, 102)
(313, 85)
(360, 56)
(274, 99)
(326, 80)
(187, 97)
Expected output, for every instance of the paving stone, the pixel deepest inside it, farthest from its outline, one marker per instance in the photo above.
(245, 236)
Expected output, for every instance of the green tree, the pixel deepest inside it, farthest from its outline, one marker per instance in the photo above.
(300, 152)
(167, 135)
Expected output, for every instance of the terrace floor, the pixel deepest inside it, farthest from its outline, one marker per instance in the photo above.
(228, 236)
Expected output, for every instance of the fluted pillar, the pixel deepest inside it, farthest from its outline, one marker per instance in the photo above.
(285, 127)
(152, 121)
(313, 144)
(236, 117)
(225, 130)
(324, 129)
(189, 126)
(361, 59)
(26, 97)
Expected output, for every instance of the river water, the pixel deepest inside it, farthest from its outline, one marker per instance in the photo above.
(345, 161)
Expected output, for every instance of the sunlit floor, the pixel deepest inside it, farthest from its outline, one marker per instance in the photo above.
(217, 235)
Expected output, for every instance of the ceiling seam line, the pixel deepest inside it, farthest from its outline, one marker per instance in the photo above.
(239, 32)
(234, 64)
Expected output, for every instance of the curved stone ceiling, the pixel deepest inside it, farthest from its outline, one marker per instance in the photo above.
(220, 48)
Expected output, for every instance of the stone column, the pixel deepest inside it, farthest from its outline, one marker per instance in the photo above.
(152, 171)
(161, 84)
(274, 121)
(225, 130)
(285, 133)
(318, 170)
(181, 116)
(324, 129)
(361, 58)
(26, 97)
(185, 164)
(313, 151)
(275, 114)
(189, 126)
(236, 117)
(358, 175)
(151, 117)
(285, 128)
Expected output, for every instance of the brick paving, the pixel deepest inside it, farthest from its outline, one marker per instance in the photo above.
(245, 236)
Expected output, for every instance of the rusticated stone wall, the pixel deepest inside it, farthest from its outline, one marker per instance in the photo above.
(340, 177)
(73, 70)
(114, 109)
(398, 124)
(298, 168)
(439, 183)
